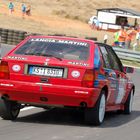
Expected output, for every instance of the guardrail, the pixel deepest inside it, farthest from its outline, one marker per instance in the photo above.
(128, 55)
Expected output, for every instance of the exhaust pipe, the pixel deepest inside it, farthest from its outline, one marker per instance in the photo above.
(5, 97)
(83, 104)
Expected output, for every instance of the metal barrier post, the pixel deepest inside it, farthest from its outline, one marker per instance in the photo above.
(105, 38)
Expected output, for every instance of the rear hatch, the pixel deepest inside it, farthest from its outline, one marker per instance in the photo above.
(51, 62)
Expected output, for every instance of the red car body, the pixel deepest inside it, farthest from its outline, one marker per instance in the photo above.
(63, 81)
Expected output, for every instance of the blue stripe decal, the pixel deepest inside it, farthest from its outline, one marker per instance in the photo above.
(101, 77)
(97, 59)
(96, 83)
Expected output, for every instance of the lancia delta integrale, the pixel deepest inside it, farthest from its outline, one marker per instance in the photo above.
(44, 71)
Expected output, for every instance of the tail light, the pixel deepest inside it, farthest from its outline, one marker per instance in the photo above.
(4, 70)
(88, 79)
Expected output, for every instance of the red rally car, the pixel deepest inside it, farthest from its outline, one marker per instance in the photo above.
(47, 71)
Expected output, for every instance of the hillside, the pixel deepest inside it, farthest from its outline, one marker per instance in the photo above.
(76, 9)
(59, 16)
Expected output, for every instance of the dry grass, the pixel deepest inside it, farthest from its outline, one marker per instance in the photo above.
(83, 9)
(60, 16)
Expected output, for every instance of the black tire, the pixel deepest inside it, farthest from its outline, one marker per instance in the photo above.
(10, 34)
(9, 110)
(56, 35)
(91, 38)
(15, 33)
(18, 41)
(14, 43)
(0, 31)
(128, 103)
(92, 114)
(3, 40)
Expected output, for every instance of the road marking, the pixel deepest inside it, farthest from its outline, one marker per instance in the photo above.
(27, 108)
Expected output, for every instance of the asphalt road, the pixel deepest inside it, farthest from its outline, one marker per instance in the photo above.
(68, 124)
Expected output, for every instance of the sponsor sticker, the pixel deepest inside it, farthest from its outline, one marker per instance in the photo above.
(16, 68)
(16, 57)
(6, 85)
(78, 63)
(75, 74)
(59, 41)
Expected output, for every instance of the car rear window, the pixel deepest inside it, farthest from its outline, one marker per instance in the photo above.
(65, 49)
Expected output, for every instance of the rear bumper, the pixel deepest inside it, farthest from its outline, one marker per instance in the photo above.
(28, 92)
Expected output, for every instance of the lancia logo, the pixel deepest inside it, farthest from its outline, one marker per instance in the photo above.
(46, 63)
(47, 59)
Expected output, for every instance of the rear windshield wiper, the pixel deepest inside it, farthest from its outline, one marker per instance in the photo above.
(29, 53)
(42, 54)
(48, 55)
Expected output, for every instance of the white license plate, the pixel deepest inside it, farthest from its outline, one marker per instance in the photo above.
(52, 72)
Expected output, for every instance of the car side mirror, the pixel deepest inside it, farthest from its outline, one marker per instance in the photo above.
(128, 69)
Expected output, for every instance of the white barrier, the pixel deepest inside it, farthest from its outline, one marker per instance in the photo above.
(129, 55)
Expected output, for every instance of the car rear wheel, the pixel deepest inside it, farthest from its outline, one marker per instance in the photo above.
(9, 110)
(96, 115)
(129, 103)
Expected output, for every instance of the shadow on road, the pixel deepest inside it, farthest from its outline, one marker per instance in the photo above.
(113, 119)
(76, 118)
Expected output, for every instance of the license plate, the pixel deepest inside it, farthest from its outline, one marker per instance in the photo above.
(52, 72)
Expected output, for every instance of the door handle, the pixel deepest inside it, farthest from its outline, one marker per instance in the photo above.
(118, 75)
(106, 74)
